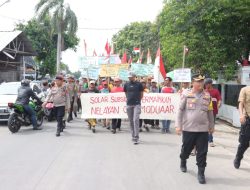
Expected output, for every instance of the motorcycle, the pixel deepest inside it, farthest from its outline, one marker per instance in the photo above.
(19, 117)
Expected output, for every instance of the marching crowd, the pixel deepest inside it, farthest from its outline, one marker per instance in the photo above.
(199, 104)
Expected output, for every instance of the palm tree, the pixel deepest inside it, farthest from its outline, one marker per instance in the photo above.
(63, 20)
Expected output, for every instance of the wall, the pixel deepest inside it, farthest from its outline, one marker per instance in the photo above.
(9, 76)
(229, 114)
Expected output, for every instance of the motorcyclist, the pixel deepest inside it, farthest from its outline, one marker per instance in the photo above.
(23, 97)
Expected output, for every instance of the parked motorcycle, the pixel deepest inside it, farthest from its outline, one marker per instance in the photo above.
(19, 117)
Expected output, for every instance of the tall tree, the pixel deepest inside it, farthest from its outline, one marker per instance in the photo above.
(44, 41)
(63, 18)
(217, 32)
(143, 35)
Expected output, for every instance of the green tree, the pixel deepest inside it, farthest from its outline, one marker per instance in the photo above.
(44, 41)
(63, 18)
(138, 34)
(217, 32)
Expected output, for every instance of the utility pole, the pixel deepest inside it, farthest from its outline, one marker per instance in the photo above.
(184, 56)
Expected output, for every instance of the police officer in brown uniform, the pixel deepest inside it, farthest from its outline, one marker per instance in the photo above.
(244, 137)
(61, 101)
(194, 120)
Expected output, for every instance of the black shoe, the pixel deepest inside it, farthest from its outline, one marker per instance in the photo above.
(119, 129)
(113, 131)
(93, 129)
(183, 166)
(58, 134)
(75, 114)
(201, 176)
(69, 119)
(108, 128)
(64, 124)
(140, 130)
(147, 128)
(136, 142)
(37, 128)
(236, 163)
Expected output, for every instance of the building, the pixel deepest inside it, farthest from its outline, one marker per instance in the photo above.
(16, 54)
(230, 93)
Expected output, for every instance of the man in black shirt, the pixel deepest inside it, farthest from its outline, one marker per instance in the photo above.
(134, 94)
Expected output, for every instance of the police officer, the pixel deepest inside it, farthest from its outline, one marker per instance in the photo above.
(195, 120)
(61, 101)
(244, 137)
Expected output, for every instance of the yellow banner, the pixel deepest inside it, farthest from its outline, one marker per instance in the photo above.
(112, 70)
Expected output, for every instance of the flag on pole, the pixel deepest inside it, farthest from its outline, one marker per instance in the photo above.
(159, 69)
(149, 59)
(136, 50)
(186, 50)
(112, 51)
(85, 48)
(140, 57)
(124, 57)
(130, 60)
(107, 48)
(94, 53)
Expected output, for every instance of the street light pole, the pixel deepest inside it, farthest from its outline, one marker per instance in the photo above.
(4, 3)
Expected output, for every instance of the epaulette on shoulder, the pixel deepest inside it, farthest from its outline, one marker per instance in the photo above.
(188, 93)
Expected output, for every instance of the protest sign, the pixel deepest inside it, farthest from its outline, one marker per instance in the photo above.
(142, 70)
(123, 75)
(113, 105)
(182, 75)
(91, 73)
(112, 70)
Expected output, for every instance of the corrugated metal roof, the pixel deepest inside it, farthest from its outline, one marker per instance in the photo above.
(7, 37)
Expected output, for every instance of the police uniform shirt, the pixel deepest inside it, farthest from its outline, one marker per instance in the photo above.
(195, 113)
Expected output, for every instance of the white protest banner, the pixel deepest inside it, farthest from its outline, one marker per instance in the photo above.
(123, 75)
(85, 61)
(113, 105)
(182, 75)
(91, 73)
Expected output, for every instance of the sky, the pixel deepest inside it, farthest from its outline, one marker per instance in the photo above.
(111, 15)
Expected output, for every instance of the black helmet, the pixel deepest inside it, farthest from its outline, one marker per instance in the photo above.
(25, 82)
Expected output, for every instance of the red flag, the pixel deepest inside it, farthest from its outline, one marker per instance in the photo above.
(107, 48)
(94, 53)
(85, 48)
(159, 70)
(124, 58)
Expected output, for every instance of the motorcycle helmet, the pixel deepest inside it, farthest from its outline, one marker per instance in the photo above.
(25, 82)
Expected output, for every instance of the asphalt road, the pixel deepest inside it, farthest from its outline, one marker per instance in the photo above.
(79, 159)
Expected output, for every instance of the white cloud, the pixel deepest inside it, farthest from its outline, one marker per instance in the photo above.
(91, 14)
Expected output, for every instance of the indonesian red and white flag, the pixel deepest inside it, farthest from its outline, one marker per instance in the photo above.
(159, 69)
(186, 50)
(136, 50)
(140, 58)
(149, 59)
(130, 60)
(124, 58)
